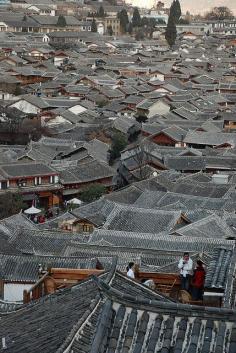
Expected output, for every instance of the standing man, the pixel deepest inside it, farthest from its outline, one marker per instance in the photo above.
(185, 266)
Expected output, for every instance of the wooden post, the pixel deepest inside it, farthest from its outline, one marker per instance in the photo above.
(26, 296)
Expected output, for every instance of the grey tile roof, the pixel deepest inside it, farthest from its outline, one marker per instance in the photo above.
(39, 241)
(24, 268)
(7, 307)
(133, 219)
(161, 199)
(16, 221)
(210, 139)
(67, 307)
(93, 170)
(98, 149)
(123, 124)
(102, 314)
(161, 241)
(127, 195)
(34, 100)
(211, 226)
(200, 189)
(96, 212)
(157, 331)
(26, 169)
(185, 163)
(217, 272)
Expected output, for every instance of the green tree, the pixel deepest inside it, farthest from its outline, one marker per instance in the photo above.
(10, 204)
(109, 30)
(61, 22)
(144, 22)
(124, 20)
(101, 103)
(139, 35)
(119, 142)
(101, 12)
(148, 25)
(141, 118)
(17, 91)
(92, 192)
(171, 32)
(177, 11)
(130, 28)
(94, 26)
(136, 19)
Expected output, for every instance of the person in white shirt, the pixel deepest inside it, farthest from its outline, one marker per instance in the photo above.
(185, 266)
(130, 270)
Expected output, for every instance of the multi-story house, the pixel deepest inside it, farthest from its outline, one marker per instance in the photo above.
(33, 181)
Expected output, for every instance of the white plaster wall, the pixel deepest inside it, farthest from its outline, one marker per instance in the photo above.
(14, 291)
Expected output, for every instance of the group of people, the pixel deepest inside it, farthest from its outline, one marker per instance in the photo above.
(42, 218)
(192, 280)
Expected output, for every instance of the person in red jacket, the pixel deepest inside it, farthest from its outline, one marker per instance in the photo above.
(198, 281)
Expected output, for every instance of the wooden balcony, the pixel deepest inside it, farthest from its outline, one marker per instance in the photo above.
(166, 283)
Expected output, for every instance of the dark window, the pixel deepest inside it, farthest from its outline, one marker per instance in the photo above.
(4, 185)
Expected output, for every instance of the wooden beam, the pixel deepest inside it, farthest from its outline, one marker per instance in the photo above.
(160, 278)
(73, 274)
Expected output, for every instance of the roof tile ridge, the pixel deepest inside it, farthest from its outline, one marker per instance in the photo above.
(151, 305)
(76, 328)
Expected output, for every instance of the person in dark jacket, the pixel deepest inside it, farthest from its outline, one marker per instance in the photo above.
(198, 281)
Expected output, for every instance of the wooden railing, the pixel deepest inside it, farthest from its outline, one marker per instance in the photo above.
(36, 291)
(57, 278)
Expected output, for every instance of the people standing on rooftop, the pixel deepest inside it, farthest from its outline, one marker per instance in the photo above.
(198, 281)
(185, 266)
(131, 270)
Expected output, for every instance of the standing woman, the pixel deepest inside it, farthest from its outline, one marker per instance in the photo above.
(131, 270)
(198, 281)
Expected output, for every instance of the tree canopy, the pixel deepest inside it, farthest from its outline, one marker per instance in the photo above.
(174, 17)
(101, 12)
(119, 142)
(171, 32)
(92, 192)
(136, 19)
(109, 30)
(124, 20)
(61, 22)
(139, 35)
(220, 13)
(148, 25)
(94, 26)
(177, 11)
(10, 204)
(130, 28)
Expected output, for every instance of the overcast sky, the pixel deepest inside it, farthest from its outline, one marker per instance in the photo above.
(195, 6)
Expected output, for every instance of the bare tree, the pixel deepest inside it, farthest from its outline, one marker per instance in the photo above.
(141, 156)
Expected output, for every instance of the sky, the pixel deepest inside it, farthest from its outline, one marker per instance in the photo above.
(194, 6)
